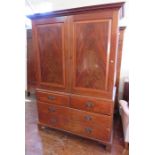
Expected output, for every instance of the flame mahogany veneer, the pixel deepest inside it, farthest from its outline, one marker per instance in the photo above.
(76, 58)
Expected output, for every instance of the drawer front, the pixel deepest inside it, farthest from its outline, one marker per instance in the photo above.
(90, 119)
(54, 120)
(91, 131)
(53, 98)
(53, 110)
(79, 122)
(91, 125)
(92, 105)
(53, 115)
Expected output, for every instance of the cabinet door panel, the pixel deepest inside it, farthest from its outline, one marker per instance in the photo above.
(51, 53)
(92, 53)
(51, 47)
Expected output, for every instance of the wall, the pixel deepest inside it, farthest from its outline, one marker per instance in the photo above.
(52, 5)
(63, 4)
(124, 75)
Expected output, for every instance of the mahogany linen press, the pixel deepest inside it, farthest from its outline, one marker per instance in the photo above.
(75, 59)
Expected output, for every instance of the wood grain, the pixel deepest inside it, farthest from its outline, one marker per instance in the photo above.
(50, 38)
(93, 46)
(75, 121)
(54, 98)
(31, 63)
(51, 45)
(92, 104)
(76, 54)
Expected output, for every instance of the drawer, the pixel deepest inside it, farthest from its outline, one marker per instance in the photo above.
(79, 122)
(53, 98)
(91, 125)
(53, 115)
(52, 109)
(90, 119)
(92, 105)
(90, 131)
(54, 120)
(75, 115)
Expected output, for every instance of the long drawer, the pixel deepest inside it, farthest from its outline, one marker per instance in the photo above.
(76, 121)
(53, 98)
(92, 104)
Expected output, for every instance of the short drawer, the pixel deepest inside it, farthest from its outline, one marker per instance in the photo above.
(52, 109)
(53, 98)
(92, 105)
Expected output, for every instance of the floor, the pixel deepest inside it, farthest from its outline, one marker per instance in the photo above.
(52, 142)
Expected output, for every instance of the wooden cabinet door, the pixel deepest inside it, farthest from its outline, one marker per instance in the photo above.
(93, 46)
(51, 34)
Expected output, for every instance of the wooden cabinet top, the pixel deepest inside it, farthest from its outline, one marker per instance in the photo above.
(84, 9)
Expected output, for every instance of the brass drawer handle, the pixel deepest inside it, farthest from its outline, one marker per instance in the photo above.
(51, 109)
(88, 130)
(53, 120)
(89, 104)
(51, 97)
(88, 118)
